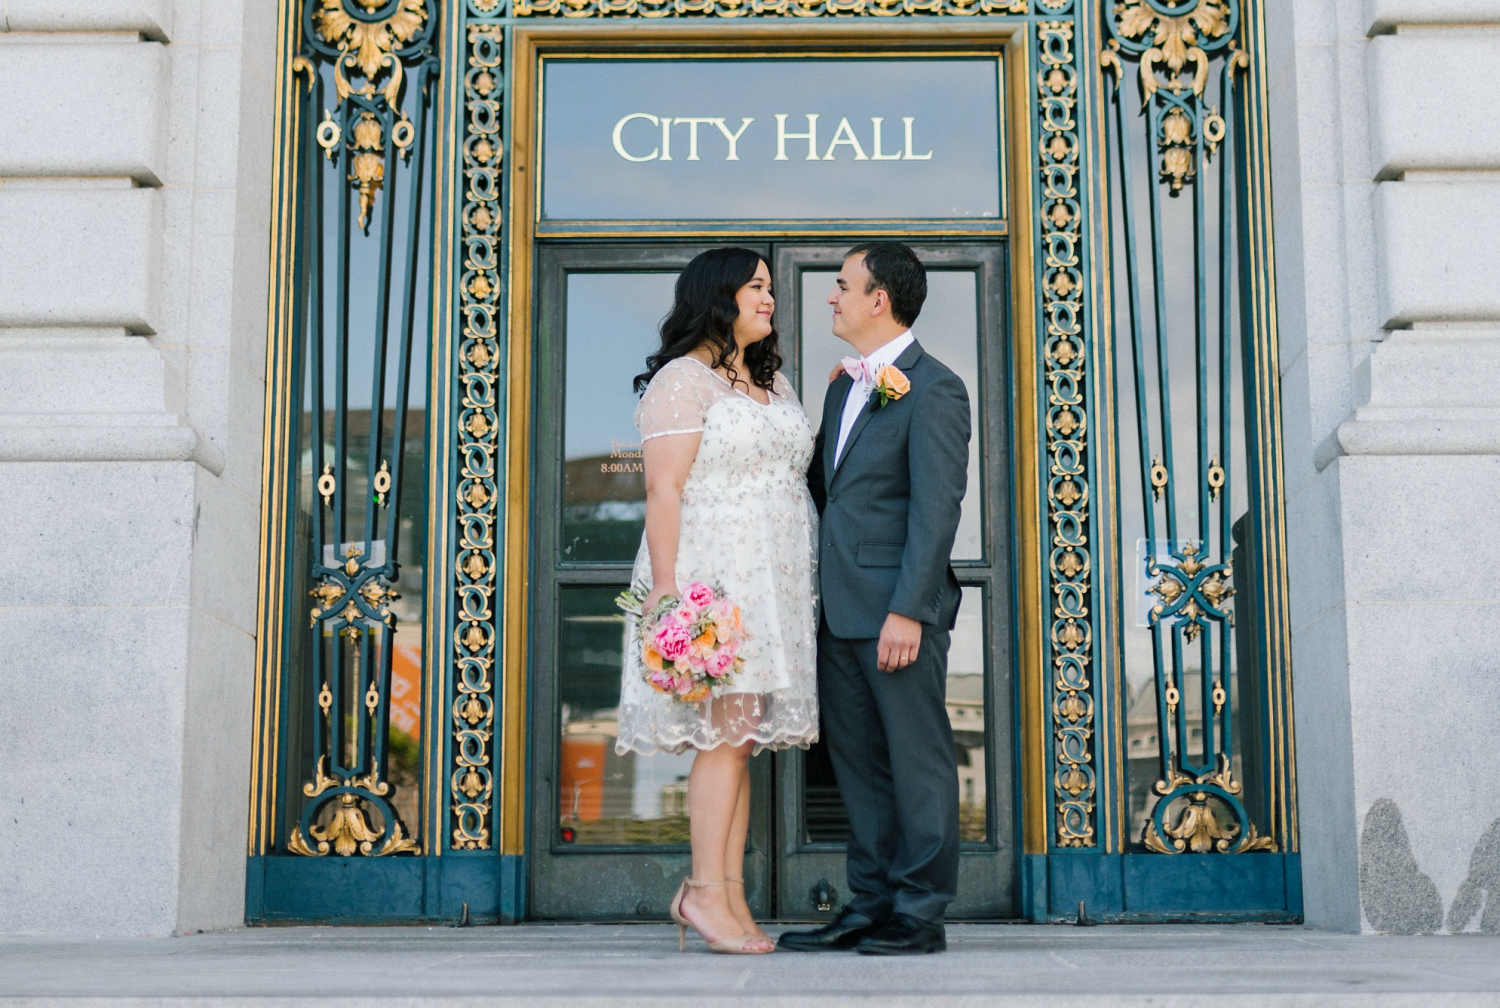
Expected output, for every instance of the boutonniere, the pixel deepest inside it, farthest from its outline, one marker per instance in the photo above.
(890, 385)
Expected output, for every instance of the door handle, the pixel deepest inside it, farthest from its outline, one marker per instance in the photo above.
(824, 896)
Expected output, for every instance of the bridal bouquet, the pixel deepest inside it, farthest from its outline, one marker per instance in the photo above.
(690, 646)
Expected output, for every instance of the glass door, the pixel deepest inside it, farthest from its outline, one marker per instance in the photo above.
(609, 834)
(963, 325)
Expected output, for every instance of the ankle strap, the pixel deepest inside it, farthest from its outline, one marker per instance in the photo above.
(695, 884)
(737, 881)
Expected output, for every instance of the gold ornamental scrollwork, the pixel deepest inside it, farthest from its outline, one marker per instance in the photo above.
(1067, 436)
(475, 642)
(370, 49)
(766, 8)
(1209, 819)
(347, 830)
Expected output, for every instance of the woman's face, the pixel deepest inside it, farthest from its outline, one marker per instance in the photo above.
(756, 305)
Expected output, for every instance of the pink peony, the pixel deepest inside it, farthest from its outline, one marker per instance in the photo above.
(673, 640)
(699, 594)
(722, 661)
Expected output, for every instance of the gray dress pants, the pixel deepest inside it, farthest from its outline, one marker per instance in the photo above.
(892, 751)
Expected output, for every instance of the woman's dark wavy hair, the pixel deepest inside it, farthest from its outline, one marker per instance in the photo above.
(704, 311)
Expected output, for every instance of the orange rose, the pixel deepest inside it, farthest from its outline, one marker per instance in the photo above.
(652, 658)
(892, 382)
(697, 695)
(706, 639)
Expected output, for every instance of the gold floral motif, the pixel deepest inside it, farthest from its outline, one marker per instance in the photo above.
(328, 594)
(1057, 167)
(369, 45)
(348, 830)
(473, 712)
(1174, 40)
(763, 8)
(1198, 828)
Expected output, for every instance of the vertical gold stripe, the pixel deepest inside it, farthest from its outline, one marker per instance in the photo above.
(512, 747)
(440, 458)
(278, 404)
(1272, 516)
(1031, 663)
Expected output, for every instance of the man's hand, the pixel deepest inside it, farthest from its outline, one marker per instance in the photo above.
(900, 639)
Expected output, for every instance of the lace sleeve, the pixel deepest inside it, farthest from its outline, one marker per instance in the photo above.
(674, 402)
(782, 389)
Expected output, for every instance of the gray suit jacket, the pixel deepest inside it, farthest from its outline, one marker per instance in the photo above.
(890, 507)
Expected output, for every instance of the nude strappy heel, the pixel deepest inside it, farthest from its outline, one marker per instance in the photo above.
(741, 883)
(726, 946)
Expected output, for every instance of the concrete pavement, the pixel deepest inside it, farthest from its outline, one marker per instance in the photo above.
(1007, 966)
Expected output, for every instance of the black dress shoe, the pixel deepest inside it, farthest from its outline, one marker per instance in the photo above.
(838, 935)
(904, 934)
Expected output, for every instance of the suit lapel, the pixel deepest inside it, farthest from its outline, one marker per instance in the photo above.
(908, 357)
(833, 419)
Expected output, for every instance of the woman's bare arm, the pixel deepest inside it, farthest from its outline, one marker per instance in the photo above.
(668, 460)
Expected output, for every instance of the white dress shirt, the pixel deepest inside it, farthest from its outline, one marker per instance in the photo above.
(859, 391)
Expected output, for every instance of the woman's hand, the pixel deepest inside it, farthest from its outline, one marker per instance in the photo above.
(833, 375)
(657, 594)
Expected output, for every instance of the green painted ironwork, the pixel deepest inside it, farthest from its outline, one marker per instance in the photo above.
(362, 471)
(1174, 134)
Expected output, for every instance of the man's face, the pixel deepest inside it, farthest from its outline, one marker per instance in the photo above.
(855, 310)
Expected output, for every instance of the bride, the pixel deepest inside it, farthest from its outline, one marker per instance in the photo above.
(726, 451)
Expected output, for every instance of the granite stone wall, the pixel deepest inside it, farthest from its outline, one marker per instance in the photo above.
(135, 165)
(1386, 120)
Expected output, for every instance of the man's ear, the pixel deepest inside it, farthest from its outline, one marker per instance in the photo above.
(882, 302)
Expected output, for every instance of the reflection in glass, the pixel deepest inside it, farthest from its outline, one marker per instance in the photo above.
(823, 812)
(966, 669)
(612, 321)
(602, 798)
(948, 328)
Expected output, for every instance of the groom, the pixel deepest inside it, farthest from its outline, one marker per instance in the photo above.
(888, 474)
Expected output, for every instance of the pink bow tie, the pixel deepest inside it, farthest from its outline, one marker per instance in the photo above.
(859, 369)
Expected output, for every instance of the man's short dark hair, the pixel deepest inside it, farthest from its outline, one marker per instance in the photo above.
(895, 269)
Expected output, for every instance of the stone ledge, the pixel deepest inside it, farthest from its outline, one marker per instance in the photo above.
(143, 441)
(1410, 436)
(1385, 15)
(152, 18)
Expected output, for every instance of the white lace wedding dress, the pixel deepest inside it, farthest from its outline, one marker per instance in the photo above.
(748, 524)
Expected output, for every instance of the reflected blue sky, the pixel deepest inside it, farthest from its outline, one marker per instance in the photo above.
(613, 323)
(591, 173)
